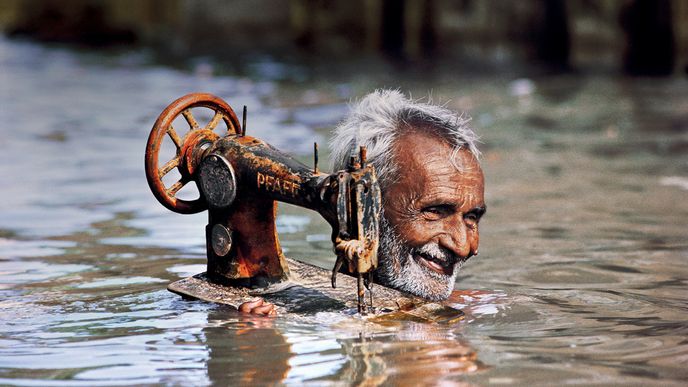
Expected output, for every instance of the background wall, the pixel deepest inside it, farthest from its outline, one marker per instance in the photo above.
(637, 36)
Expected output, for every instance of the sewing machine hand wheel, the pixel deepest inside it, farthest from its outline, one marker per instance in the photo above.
(184, 158)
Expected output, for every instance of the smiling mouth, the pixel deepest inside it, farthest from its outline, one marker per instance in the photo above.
(436, 265)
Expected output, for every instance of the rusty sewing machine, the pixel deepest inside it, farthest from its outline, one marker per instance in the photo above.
(241, 178)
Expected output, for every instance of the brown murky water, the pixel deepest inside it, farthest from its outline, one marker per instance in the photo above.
(582, 276)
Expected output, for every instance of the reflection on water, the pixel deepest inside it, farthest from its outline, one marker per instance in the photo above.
(353, 353)
(582, 276)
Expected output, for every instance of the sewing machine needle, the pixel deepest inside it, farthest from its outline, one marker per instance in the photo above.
(370, 288)
(337, 265)
(361, 294)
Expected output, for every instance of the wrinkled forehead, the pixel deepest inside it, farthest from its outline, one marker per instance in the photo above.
(427, 164)
(417, 148)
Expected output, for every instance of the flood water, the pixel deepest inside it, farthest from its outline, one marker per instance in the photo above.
(582, 276)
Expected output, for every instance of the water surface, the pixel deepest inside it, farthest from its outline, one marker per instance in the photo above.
(582, 276)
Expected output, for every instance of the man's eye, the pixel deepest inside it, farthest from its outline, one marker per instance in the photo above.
(438, 211)
(472, 217)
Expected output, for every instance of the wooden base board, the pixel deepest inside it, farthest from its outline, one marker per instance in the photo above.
(308, 291)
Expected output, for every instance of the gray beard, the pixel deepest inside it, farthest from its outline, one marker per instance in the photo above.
(399, 270)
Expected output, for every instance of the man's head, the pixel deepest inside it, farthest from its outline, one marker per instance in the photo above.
(432, 188)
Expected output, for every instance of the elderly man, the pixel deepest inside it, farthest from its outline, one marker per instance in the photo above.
(432, 190)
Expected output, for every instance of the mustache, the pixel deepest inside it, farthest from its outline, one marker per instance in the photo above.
(392, 241)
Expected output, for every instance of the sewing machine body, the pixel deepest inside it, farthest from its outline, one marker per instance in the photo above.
(242, 196)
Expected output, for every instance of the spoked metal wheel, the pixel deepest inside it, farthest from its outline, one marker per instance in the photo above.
(183, 159)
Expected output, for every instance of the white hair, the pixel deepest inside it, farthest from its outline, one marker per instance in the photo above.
(379, 118)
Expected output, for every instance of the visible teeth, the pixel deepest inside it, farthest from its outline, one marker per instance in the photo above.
(432, 263)
(431, 259)
(435, 265)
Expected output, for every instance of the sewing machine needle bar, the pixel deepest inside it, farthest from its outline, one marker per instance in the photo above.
(175, 137)
(188, 116)
(214, 121)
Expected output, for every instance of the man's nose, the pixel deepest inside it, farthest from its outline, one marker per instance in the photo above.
(460, 241)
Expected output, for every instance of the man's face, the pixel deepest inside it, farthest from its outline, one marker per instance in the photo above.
(431, 214)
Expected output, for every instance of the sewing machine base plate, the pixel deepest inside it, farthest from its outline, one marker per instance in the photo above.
(308, 291)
